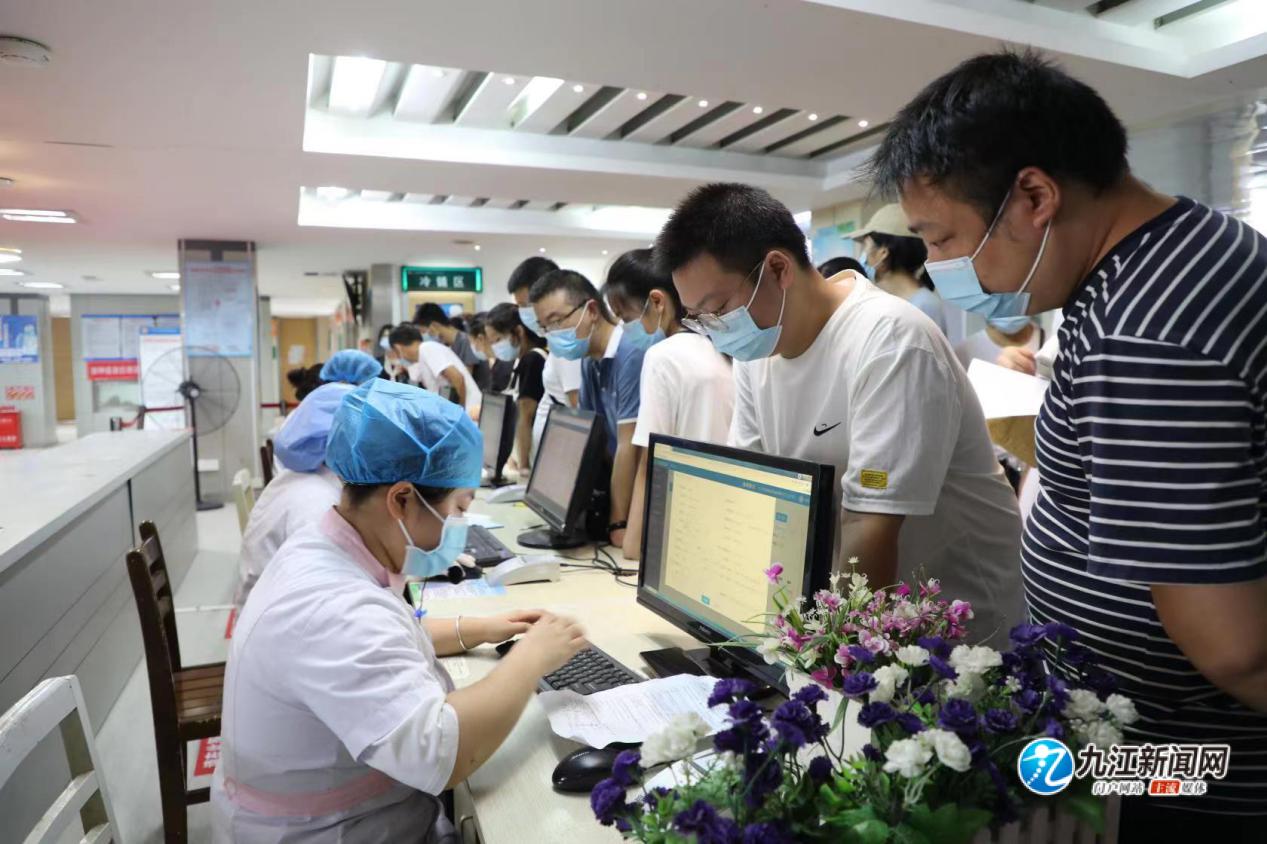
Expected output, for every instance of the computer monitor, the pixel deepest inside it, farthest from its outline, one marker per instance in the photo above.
(497, 424)
(716, 519)
(569, 462)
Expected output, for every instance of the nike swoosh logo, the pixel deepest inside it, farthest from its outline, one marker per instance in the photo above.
(818, 432)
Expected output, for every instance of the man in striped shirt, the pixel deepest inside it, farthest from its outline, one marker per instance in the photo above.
(1148, 533)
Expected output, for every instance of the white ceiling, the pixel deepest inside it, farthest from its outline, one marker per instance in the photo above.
(198, 118)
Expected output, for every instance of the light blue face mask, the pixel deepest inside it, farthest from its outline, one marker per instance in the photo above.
(564, 342)
(529, 318)
(1009, 325)
(479, 356)
(432, 338)
(505, 350)
(636, 335)
(424, 564)
(957, 282)
(383, 344)
(739, 336)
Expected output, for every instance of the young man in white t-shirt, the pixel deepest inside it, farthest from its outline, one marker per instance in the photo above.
(686, 390)
(431, 365)
(839, 372)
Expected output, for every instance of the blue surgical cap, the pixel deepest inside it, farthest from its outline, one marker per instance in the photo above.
(351, 367)
(385, 432)
(301, 443)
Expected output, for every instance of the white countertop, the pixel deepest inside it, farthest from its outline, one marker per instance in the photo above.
(43, 490)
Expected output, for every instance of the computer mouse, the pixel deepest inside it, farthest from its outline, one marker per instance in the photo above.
(504, 647)
(583, 769)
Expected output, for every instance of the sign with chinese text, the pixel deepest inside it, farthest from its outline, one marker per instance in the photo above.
(442, 279)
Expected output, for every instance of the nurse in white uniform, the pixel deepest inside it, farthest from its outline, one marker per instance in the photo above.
(340, 725)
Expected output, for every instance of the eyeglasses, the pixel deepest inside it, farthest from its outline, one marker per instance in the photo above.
(703, 323)
(558, 323)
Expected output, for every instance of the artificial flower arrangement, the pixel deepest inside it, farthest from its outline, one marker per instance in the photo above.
(946, 722)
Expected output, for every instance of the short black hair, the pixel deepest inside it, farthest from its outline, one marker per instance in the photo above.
(457, 322)
(839, 264)
(579, 290)
(736, 224)
(405, 334)
(475, 325)
(504, 319)
(305, 379)
(635, 274)
(972, 130)
(429, 312)
(528, 271)
(906, 255)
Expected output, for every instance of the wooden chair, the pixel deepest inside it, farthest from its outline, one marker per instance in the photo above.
(244, 496)
(186, 700)
(57, 704)
(266, 461)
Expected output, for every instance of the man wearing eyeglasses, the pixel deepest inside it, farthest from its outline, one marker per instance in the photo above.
(839, 372)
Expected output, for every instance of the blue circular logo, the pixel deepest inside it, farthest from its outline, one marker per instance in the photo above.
(1045, 766)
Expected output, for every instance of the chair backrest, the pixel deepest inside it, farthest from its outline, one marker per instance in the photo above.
(266, 462)
(243, 496)
(58, 704)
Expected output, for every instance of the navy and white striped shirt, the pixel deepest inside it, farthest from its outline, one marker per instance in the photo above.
(1152, 448)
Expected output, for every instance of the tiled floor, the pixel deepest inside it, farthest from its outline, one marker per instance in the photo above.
(126, 739)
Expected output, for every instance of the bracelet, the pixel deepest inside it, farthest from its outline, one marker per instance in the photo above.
(617, 526)
(457, 628)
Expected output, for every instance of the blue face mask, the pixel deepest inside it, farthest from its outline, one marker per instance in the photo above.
(957, 282)
(431, 338)
(1009, 325)
(564, 342)
(636, 335)
(383, 344)
(503, 349)
(740, 337)
(424, 564)
(529, 318)
(479, 356)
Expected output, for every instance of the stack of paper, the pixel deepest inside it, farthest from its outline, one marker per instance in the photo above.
(630, 713)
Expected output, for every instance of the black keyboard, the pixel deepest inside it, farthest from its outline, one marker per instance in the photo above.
(590, 671)
(487, 549)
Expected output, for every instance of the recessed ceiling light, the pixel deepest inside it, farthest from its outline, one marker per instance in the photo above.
(6, 182)
(542, 249)
(10, 256)
(578, 89)
(813, 116)
(33, 212)
(23, 51)
(173, 287)
(703, 103)
(757, 109)
(604, 251)
(863, 124)
(642, 95)
(354, 83)
(9, 271)
(41, 285)
(332, 192)
(509, 80)
(36, 218)
(165, 274)
(477, 247)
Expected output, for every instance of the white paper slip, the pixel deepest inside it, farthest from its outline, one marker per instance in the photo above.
(630, 713)
(479, 588)
(483, 520)
(1005, 392)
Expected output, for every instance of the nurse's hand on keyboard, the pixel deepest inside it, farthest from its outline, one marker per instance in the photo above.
(498, 628)
(548, 644)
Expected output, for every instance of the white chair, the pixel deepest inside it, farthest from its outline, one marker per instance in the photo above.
(57, 704)
(244, 496)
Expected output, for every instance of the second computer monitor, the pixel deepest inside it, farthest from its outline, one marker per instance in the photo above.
(568, 463)
(716, 520)
(497, 424)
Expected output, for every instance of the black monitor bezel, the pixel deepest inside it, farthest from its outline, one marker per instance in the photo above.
(586, 472)
(819, 553)
(506, 442)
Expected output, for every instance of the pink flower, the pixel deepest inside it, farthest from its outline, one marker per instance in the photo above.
(797, 640)
(825, 676)
(959, 612)
(779, 622)
(875, 644)
(903, 590)
(827, 599)
(843, 659)
(773, 572)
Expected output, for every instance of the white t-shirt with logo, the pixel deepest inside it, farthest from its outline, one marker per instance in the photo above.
(433, 359)
(687, 390)
(559, 377)
(880, 395)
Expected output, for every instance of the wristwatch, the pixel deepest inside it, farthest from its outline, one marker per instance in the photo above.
(615, 526)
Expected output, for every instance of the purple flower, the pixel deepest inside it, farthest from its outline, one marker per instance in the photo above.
(797, 724)
(876, 713)
(859, 684)
(773, 572)
(980, 754)
(942, 667)
(810, 695)
(1012, 664)
(872, 753)
(935, 645)
(607, 801)
(819, 769)
(1025, 635)
(626, 767)
(1077, 655)
(1000, 721)
(1054, 729)
(1028, 701)
(653, 797)
(745, 713)
(1101, 682)
(925, 696)
(958, 715)
(910, 722)
(861, 654)
(708, 827)
(727, 690)
(767, 833)
(762, 775)
(732, 740)
(1057, 630)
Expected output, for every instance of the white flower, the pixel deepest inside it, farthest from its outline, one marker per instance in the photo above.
(1083, 704)
(912, 655)
(906, 611)
(853, 562)
(858, 589)
(975, 660)
(833, 579)
(769, 650)
(1100, 733)
(1123, 709)
(676, 741)
(968, 686)
(1012, 685)
(906, 757)
(950, 749)
(887, 679)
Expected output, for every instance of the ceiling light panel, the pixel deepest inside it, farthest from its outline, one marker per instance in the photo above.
(487, 108)
(543, 104)
(724, 126)
(1142, 12)
(427, 90)
(460, 201)
(420, 198)
(354, 85)
(826, 136)
(619, 111)
(377, 195)
(772, 133)
(667, 122)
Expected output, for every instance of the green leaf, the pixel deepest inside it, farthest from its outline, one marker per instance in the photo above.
(949, 824)
(1085, 808)
(906, 834)
(874, 831)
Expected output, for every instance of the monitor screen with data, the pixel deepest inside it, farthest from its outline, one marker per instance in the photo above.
(557, 473)
(717, 519)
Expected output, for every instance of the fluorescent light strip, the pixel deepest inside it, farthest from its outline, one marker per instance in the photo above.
(42, 285)
(33, 212)
(27, 218)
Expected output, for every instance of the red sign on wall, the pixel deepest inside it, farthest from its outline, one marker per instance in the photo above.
(19, 393)
(10, 429)
(113, 370)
